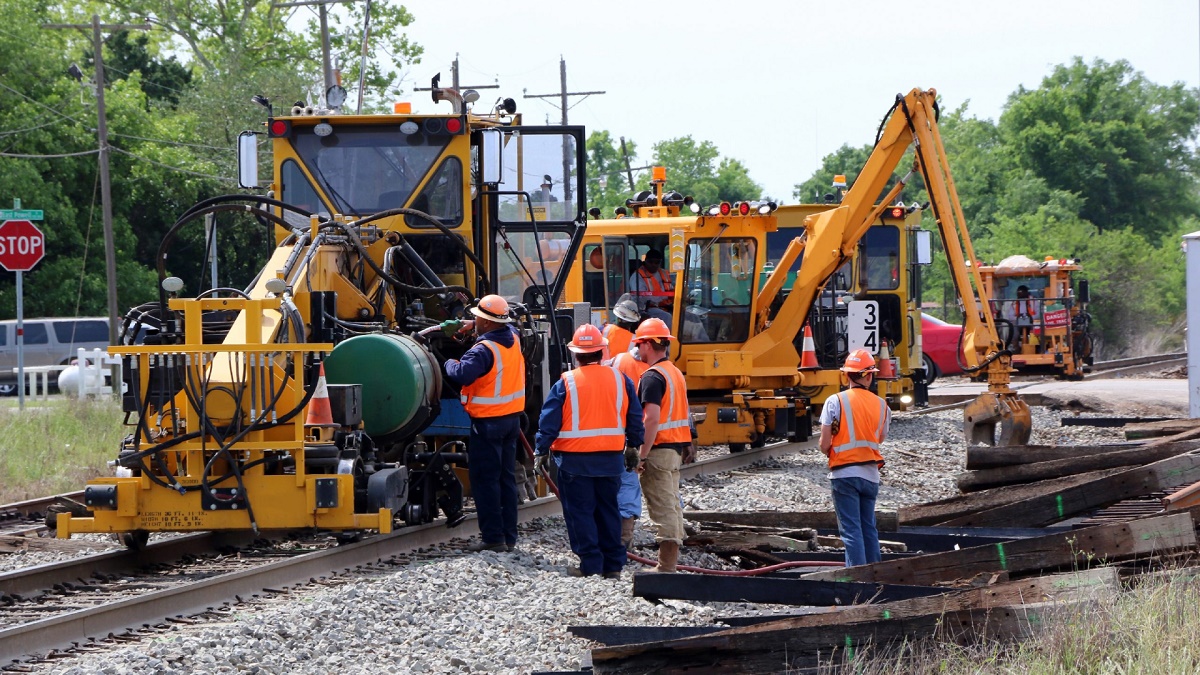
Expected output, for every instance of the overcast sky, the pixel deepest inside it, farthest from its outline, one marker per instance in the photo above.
(779, 85)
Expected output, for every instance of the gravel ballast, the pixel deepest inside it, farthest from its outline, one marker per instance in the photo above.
(508, 613)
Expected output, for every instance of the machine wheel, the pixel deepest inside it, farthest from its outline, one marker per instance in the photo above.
(737, 447)
(8, 389)
(931, 369)
(136, 540)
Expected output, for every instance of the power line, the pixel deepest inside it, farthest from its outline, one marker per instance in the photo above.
(144, 81)
(169, 166)
(178, 143)
(40, 104)
(21, 131)
(65, 154)
(562, 95)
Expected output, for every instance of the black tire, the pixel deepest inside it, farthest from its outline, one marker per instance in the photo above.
(737, 447)
(931, 369)
(8, 389)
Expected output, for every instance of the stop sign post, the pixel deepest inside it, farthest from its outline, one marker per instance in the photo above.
(22, 246)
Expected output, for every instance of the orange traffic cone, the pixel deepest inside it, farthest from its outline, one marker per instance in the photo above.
(887, 367)
(808, 358)
(320, 414)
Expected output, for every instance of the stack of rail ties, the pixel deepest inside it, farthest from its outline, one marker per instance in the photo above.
(1037, 529)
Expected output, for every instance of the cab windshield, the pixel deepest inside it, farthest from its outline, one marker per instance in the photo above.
(365, 170)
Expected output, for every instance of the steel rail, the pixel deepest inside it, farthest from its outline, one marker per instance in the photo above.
(78, 627)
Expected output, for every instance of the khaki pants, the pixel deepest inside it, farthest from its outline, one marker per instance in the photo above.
(660, 485)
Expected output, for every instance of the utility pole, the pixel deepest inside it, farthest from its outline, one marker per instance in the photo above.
(110, 253)
(562, 95)
(454, 84)
(323, 18)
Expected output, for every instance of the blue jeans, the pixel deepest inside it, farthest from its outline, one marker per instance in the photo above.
(629, 497)
(491, 458)
(854, 502)
(589, 506)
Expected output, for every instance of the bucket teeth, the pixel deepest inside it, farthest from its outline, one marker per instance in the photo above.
(981, 417)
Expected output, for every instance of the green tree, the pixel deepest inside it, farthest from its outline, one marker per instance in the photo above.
(1106, 133)
(607, 183)
(162, 79)
(693, 169)
(848, 161)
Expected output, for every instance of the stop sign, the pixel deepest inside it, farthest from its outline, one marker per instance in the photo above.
(22, 245)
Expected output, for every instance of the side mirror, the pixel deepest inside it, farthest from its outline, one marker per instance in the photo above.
(1085, 291)
(924, 247)
(247, 147)
(492, 154)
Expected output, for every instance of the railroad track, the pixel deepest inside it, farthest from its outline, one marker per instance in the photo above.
(1139, 364)
(70, 604)
(28, 518)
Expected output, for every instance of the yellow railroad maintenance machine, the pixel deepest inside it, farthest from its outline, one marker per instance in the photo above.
(831, 237)
(387, 227)
(1039, 315)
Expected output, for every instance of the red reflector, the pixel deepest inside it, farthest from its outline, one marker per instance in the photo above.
(725, 208)
(744, 208)
(454, 125)
(897, 212)
(278, 128)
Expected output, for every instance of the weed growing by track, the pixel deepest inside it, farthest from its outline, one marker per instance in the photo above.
(56, 445)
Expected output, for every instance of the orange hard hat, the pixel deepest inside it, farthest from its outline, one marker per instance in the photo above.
(587, 339)
(652, 329)
(860, 361)
(492, 308)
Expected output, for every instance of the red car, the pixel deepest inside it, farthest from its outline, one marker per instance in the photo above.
(939, 342)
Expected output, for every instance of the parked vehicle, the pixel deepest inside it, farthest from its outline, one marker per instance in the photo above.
(940, 344)
(48, 342)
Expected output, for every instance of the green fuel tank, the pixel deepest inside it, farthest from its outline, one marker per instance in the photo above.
(401, 381)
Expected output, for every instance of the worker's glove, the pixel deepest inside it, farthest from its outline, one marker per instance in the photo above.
(541, 464)
(632, 457)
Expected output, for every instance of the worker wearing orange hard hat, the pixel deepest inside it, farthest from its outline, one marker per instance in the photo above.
(854, 424)
(663, 393)
(492, 376)
(590, 427)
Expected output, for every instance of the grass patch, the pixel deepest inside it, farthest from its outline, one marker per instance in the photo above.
(56, 445)
(1152, 629)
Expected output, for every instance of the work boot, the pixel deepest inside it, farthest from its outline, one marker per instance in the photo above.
(627, 531)
(668, 556)
(498, 547)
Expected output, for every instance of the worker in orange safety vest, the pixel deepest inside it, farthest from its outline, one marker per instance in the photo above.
(854, 424)
(619, 333)
(591, 425)
(651, 285)
(492, 376)
(663, 393)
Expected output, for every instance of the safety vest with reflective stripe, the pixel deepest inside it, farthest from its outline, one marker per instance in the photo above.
(593, 412)
(618, 339)
(674, 419)
(857, 437)
(1026, 307)
(630, 367)
(501, 390)
(658, 285)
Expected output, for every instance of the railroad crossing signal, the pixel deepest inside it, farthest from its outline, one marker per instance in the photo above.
(22, 245)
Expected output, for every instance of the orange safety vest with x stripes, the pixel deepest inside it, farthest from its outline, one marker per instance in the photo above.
(857, 438)
(501, 390)
(629, 366)
(658, 286)
(593, 412)
(618, 339)
(674, 420)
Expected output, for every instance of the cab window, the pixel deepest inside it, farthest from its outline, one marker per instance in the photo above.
(539, 175)
(523, 258)
(295, 189)
(442, 197)
(604, 280)
(881, 247)
(720, 288)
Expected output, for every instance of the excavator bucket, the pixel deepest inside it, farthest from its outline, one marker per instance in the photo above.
(982, 415)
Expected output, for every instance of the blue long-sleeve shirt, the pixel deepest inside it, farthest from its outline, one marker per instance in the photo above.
(587, 463)
(479, 360)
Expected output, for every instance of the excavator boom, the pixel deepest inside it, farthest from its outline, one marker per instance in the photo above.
(831, 237)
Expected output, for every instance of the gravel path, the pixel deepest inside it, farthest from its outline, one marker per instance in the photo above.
(508, 613)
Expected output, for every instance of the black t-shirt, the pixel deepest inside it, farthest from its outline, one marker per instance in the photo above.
(652, 389)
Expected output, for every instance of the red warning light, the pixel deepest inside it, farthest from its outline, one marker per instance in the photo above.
(453, 125)
(744, 208)
(898, 212)
(725, 208)
(279, 128)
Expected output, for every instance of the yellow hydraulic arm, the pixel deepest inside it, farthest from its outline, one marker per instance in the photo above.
(832, 236)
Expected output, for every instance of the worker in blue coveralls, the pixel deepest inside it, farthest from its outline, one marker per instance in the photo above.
(591, 425)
